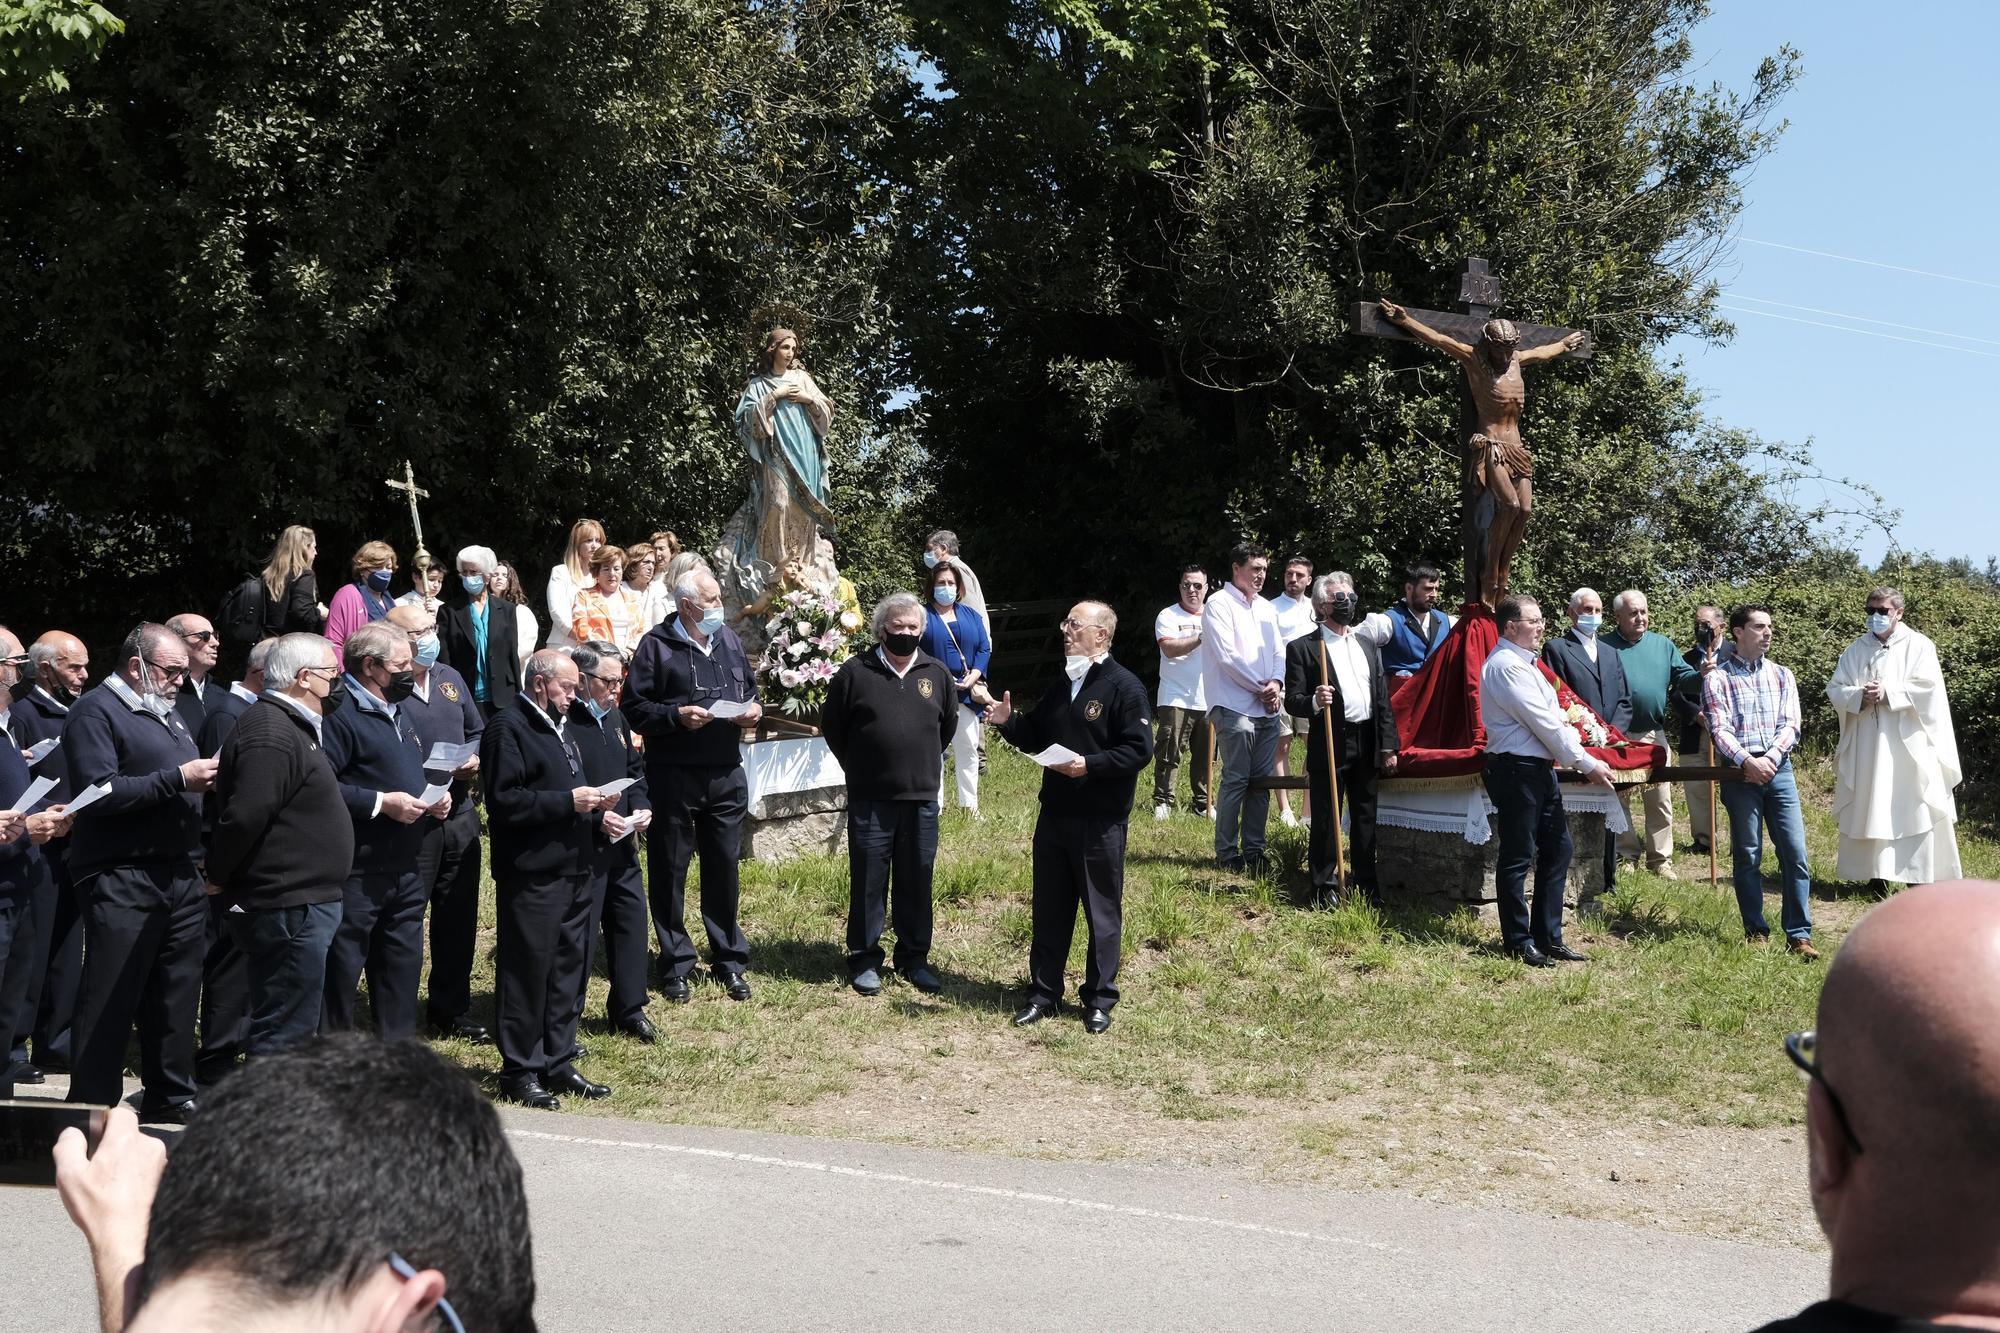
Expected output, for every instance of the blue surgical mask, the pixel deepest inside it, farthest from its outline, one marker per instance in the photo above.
(473, 583)
(1589, 624)
(1878, 622)
(944, 596)
(597, 710)
(930, 559)
(427, 651)
(711, 620)
(378, 579)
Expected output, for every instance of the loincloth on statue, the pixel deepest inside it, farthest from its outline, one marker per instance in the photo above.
(1483, 452)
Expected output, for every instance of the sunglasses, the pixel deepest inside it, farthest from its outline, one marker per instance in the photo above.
(170, 672)
(199, 636)
(1803, 1048)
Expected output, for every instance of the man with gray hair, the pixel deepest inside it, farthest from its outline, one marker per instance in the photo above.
(477, 637)
(889, 714)
(692, 692)
(1898, 756)
(1655, 676)
(132, 857)
(283, 843)
(1597, 675)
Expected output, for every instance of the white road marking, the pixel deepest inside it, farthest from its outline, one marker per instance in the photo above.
(959, 1186)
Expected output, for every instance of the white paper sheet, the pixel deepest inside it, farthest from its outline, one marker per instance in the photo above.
(89, 796)
(446, 756)
(41, 750)
(639, 821)
(36, 790)
(727, 708)
(613, 788)
(1056, 754)
(434, 793)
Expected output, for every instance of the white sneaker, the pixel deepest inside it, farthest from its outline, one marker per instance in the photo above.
(1162, 810)
(1287, 818)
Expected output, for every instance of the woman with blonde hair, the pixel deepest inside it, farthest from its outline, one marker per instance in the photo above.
(292, 604)
(570, 577)
(506, 585)
(607, 611)
(366, 599)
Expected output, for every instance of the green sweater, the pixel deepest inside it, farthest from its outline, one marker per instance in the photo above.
(1653, 669)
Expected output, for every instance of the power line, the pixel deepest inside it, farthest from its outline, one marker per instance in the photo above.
(1871, 263)
(1865, 319)
(1866, 333)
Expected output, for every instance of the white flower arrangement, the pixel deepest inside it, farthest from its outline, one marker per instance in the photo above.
(808, 636)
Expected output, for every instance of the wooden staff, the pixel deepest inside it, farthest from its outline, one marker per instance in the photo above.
(1332, 778)
(1713, 830)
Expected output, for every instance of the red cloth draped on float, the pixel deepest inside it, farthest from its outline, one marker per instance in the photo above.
(1437, 709)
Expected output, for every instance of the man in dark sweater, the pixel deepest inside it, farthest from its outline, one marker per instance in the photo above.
(543, 816)
(24, 872)
(442, 710)
(617, 887)
(1099, 714)
(132, 857)
(225, 978)
(889, 714)
(52, 952)
(198, 694)
(687, 665)
(282, 843)
(379, 760)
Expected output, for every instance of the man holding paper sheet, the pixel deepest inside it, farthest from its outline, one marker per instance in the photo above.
(379, 760)
(24, 873)
(617, 886)
(1100, 720)
(53, 951)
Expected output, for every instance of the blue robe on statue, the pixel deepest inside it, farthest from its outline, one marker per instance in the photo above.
(786, 441)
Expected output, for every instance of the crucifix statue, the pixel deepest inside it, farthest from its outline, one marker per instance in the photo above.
(1498, 486)
(408, 484)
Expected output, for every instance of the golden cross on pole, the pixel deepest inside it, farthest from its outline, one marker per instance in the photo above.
(409, 485)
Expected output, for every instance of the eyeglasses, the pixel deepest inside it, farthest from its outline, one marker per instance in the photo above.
(1803, 1047)
(17, 660)
(328, 672)
(199, 636)
(405, 1270)
(613, 681)
(171, 673)
(1196, 584)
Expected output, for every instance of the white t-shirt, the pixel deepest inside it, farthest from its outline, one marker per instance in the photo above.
(1294, 617)
(1180, 678)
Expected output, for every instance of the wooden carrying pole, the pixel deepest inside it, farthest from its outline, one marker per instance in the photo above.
(1332, 779)
(1712, 829)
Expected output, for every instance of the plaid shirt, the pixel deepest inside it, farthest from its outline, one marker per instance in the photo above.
(1752, 708)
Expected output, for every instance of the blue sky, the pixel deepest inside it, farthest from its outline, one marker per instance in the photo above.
(1891, 157)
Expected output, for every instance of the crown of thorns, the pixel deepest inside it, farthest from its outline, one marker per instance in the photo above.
(1501, 331)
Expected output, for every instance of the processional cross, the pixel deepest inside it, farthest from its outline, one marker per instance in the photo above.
(408, 484)
(1498, 487)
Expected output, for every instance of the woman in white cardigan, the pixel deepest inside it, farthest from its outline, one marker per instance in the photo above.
(570, 577)
(506, 585)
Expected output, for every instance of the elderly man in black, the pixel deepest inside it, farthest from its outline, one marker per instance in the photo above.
(52, 952)
(379, 759)
(132, 858)
(685, 669)
(1099, 714)
(1355, 700)
(618, 887)
(542, 814)
(889, 714)
(25, 828)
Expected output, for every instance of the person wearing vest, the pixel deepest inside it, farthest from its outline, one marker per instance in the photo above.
(1410, 631)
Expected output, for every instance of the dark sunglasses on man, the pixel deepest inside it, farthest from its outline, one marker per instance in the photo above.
(199, 636)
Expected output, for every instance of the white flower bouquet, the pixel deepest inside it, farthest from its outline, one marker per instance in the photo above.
(807, 637)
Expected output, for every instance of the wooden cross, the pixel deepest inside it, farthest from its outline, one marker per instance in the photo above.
(408, 484)
(1478, 296)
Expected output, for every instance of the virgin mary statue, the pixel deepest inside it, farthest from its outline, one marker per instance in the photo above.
(782, 418)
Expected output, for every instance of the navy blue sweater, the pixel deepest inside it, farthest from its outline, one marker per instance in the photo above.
(282, 837)
(150, 817)
(605, 746)
(667, 672)
(449, 715)
(1109, 723)
(372, 753)
(531, 819)
(35, 717)
(21, 864)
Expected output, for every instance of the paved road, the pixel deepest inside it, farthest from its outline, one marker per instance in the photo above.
(644, 1227)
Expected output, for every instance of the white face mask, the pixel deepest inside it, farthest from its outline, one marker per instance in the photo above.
(159, 705)
(1075, 665)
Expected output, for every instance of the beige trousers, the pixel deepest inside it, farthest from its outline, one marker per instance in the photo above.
(1659, 802)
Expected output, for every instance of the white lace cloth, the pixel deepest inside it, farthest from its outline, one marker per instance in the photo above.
(1465, 810)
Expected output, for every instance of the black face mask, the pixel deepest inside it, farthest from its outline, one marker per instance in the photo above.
(402, 684)
(1704, 635)
(901, 645)
(62, 694)
(1341, 608)
(336, 698)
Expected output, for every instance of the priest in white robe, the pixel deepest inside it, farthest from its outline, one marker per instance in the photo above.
(1898, 759)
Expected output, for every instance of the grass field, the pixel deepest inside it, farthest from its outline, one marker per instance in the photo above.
(1350, 1045)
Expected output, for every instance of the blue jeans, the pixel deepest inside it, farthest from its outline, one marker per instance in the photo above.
(284, 953)
(1751, 808)
(1248, 747)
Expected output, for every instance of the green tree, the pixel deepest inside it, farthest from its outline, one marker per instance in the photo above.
(38, 38)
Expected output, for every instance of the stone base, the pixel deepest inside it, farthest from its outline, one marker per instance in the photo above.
(1442, 872)
(783, 825)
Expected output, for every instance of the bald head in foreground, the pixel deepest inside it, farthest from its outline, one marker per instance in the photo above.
(1903, 1116)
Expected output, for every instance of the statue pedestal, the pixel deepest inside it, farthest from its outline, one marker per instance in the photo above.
(1436, 843)
(798, 799)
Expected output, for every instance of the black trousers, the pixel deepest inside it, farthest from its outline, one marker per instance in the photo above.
(225, 999)
(142, 946)
(1357, 771)
(618, 907)
(891, 848)
(17, 919)
(448, 863)
(1077, 860)
(544, 950)
(698, 810)
(381, 931)
(55, 1012)
(27, 954)
(1533, 831)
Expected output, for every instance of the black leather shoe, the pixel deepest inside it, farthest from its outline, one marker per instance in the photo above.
(578, 1051)
(736, 985)
(581, 1086)
(169, 1113)
(27, 1073)
(1530, 953)
(924, 979)
(1563, 953)
(640, 1027)
(1096, 1020)
(462, 1028)
(1325, 900)
(1036, 1011)
(530, 1092)
(675, 989)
